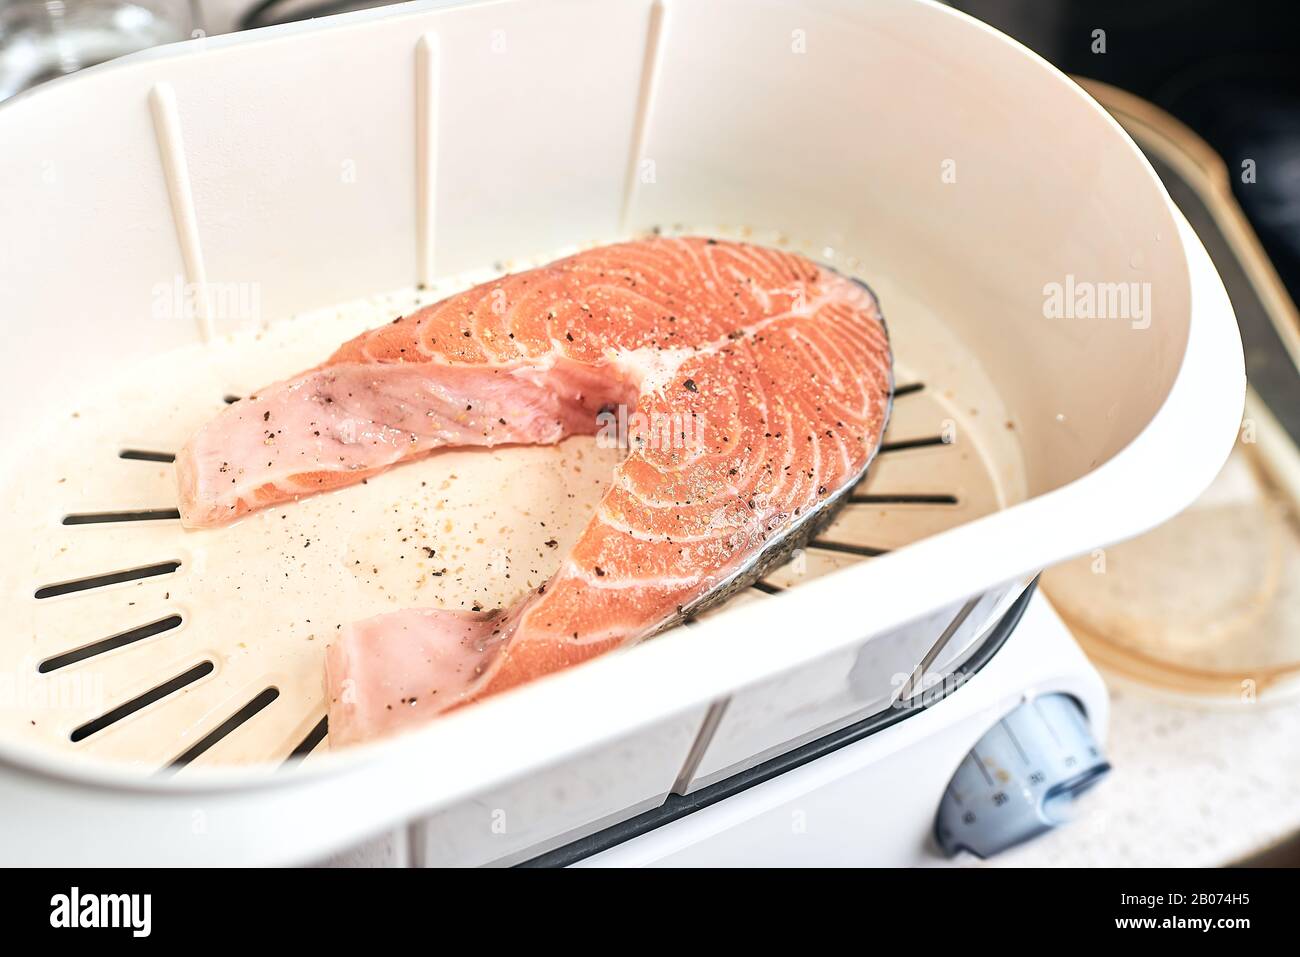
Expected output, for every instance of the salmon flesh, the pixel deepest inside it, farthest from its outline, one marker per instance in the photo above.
(756, 386)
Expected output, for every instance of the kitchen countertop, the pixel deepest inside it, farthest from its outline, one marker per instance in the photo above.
(1191, 787)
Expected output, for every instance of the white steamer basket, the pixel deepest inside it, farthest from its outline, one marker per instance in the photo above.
(327, 161)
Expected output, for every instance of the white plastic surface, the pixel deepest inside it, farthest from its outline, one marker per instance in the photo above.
(334, 159)
(812, 700)
(561, 803)
(873, 802)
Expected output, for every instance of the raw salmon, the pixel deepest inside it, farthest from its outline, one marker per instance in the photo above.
(760, 386)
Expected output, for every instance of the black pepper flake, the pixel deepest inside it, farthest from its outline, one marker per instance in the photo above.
(691, 386)
(600, 572)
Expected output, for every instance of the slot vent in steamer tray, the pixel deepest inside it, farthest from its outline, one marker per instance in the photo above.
(257, 603)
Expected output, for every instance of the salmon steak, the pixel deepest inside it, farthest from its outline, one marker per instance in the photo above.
(754, 385)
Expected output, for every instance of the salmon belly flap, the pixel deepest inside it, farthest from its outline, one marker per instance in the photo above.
(755, 385)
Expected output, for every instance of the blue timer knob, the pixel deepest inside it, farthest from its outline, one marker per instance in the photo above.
(1021, 779)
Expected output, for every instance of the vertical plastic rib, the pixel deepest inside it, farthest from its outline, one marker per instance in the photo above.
(649, 71)
(171, 149)
(426, 160)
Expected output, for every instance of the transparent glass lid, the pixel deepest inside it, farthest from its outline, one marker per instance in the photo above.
(44, 39)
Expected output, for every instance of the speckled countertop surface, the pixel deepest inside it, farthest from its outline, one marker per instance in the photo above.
(1191, 787)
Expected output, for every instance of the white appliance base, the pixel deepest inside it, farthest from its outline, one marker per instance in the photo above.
(873, 802)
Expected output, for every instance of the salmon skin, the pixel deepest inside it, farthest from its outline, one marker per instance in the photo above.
(761, 384)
